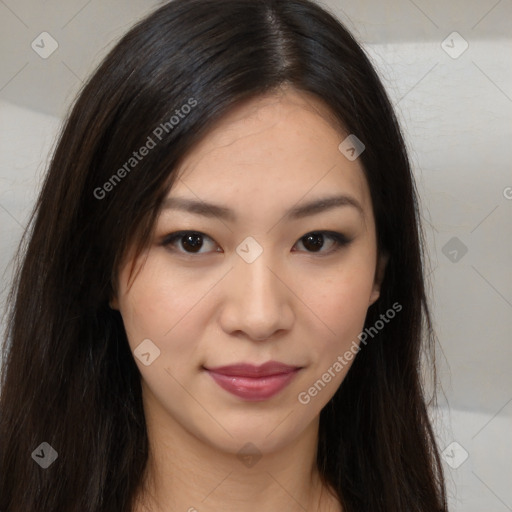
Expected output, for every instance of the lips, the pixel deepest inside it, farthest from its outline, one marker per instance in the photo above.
(253, 383)
(249, 370)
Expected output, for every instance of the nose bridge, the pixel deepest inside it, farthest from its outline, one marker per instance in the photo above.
(259, 280)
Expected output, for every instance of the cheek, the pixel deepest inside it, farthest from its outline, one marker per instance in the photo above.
(156, 308)
(341, 302)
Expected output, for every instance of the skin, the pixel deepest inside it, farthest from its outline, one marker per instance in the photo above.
(292, 304)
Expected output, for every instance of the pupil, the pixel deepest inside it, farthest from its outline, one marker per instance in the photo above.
(316, 242)
(192, 240)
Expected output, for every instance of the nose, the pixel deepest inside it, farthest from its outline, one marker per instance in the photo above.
(258, 302)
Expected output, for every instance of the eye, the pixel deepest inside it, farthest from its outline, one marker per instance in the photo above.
(314, 241)
(191, 241)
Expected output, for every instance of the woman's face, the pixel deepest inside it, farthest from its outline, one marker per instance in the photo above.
(245, 285)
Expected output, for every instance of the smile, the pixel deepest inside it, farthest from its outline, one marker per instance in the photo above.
(253, 383)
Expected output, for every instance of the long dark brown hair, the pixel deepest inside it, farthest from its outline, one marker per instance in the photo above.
(69, 378)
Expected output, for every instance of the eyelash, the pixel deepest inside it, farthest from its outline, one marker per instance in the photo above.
(339, 238)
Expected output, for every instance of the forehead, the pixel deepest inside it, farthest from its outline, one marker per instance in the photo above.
(282, 145)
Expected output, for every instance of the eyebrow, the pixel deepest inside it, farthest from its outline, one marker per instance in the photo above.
(297, 212)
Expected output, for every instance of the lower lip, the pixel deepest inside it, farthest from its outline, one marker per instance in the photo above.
(253, 388)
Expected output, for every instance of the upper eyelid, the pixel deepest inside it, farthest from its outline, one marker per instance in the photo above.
(177, 234)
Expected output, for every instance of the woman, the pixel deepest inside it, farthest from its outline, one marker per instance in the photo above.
(220, 304)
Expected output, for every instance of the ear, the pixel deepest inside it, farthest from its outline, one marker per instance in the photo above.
(379, 276)
(113, 303)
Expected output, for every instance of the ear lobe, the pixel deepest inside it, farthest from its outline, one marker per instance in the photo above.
(113, 303)
(379, 276)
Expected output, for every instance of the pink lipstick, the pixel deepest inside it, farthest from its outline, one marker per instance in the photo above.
(254, 383)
